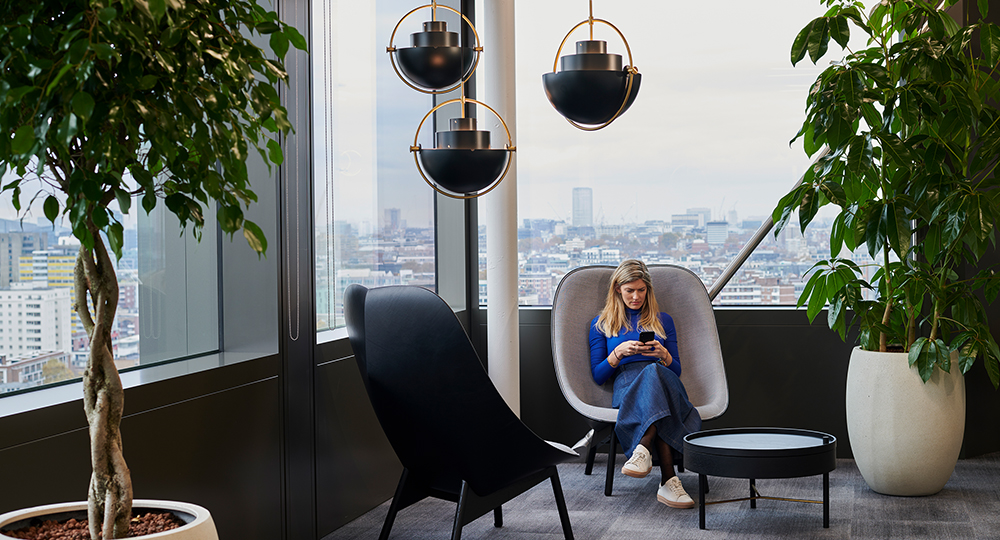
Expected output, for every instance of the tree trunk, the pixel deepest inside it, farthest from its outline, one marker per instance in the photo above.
(110, 494)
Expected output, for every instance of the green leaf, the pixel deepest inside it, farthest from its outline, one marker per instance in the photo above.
(279, 44)
(116, 234)
(818, 298)
(51, 208)
(267, 27)
(801, 44)
(68, 129)
(255, 237)
(819, 39)
(839, 30)
(897, 150)
(124, 200)
(55, 80)
(157, 8)
(24, 139)
(915, 349)
(106, 52)
(296, 38)
(83, 105)
(148, 202)
(274, 152)
(984, 7)
(989, 40)
(100, 217)
(107, 14)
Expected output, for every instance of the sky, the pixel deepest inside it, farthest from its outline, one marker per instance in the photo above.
(718, 103)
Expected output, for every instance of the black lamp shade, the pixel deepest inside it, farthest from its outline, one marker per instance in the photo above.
(435, 59)
(435, 67)
(463, 171)
(590, 96)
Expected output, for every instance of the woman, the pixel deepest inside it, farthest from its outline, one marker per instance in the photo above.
(653, 407)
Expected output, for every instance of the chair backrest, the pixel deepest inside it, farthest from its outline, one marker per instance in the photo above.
(434, 400)
(679, 292)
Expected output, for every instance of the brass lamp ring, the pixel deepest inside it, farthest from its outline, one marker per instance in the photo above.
(391, 49)
(630, 69)
(415, 148)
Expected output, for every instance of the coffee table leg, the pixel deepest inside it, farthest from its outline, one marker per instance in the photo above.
(826, 500)
(702, 487)
(753, 493)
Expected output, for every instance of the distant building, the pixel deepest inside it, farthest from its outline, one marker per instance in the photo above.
(687, 221)
(718, 232)
(27, 370)
(13, 246)
(705, 215)
(583, 207)
(48, 268)
(33, 320)
(393, 221)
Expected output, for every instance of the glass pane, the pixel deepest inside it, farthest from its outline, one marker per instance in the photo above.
(374, 214)
(167, 304)
(690, 171)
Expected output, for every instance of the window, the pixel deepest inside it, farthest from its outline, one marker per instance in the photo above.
(374, 214)
(690, 171)
(169, 316)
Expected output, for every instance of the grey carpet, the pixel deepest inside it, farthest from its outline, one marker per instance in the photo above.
(967, 508)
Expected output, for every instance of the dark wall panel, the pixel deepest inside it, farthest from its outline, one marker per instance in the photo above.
(781, 370)
(784, 372)
(211, 438)
(356, 468)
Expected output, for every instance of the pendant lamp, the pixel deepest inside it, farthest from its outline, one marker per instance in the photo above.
(593, 88)
(462, 165)
(435, 63)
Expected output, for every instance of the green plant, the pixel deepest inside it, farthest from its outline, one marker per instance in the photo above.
(910, 128)
(105, 100)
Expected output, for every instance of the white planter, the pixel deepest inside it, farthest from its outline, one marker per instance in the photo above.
(199, 524)
(905, 434)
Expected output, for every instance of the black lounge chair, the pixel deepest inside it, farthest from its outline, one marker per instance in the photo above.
(455, 436)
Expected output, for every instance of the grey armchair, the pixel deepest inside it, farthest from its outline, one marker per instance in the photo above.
(679, 292)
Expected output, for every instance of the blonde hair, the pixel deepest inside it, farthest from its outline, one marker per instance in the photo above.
(614, 316)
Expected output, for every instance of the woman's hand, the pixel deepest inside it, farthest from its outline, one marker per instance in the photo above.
(661, 352)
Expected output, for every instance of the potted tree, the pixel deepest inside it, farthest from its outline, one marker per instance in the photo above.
(103, 101)
(908, 133)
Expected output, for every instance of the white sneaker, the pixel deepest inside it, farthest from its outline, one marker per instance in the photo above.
(673, 495)
(639, 465)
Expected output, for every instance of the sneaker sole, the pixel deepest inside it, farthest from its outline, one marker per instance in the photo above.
(636, 474)
(673, 504)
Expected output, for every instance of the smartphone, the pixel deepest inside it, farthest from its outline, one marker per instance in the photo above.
(645, 337)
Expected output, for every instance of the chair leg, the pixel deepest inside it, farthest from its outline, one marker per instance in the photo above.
(680, 464)
(612, 451)
(456, 530)
(394, 506)
(498, 516)
(561, 504)
(591, 454)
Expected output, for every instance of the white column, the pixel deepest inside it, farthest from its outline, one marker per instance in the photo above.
(501, 209)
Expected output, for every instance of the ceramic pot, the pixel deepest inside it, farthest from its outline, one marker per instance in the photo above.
(905, 434)
(198, 521)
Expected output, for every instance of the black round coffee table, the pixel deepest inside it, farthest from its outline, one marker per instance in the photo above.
(760, 453)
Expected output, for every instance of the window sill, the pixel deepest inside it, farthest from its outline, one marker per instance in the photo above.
(64, 393)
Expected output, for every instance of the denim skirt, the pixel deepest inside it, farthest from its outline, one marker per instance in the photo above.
(648, 393)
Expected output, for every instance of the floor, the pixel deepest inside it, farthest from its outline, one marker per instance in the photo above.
(967, 508)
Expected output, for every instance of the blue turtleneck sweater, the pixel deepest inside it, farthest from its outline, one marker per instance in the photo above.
(601, 345)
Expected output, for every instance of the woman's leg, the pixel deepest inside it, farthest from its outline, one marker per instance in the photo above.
(647, 438)
(666, 460)
(663, 449)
